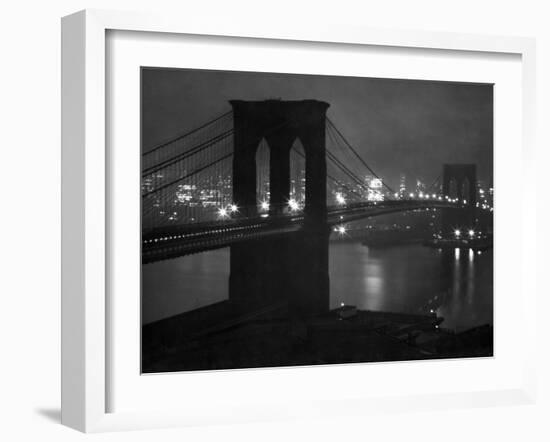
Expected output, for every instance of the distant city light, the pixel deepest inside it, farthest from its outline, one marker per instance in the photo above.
(376, 183)
(341, 230)
(471, 233)
(374, 192)
(222, 212)
(411, 195)
(457, 233)
(340, 198)
(233, 208)
(264, 205)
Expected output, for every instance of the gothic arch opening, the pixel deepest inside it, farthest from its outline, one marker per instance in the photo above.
(298, 173)
(453, 188)
(262, 176)
(465, 190)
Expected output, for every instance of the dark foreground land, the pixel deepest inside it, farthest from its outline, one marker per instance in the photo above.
(217, 337)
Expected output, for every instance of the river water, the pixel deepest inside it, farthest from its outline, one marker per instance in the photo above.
(456, 284)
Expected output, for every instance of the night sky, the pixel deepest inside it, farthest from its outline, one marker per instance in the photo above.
(398, 126)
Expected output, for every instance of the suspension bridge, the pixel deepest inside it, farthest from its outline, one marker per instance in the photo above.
(271, 179)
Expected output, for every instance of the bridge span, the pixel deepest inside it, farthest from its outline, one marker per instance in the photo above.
(176, 241)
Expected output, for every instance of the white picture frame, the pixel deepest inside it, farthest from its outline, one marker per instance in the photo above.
(85, 200)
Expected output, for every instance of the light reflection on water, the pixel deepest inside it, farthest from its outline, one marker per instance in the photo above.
(456, 284)
(410, 279)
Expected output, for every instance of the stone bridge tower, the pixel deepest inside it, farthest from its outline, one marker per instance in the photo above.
(292, 267)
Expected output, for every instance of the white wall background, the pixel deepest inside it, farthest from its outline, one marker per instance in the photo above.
(30, 216)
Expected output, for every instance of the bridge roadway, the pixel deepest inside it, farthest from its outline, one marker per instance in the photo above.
(175, 241)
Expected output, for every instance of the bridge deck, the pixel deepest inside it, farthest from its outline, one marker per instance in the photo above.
(175, 241)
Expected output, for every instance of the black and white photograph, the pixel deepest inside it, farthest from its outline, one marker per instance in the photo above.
(300, 220)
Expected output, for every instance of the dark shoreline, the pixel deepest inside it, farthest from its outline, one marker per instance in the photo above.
(272, 340)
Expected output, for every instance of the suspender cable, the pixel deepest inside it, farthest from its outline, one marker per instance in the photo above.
(357, 155)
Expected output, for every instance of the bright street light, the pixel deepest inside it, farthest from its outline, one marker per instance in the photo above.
(293, 204)
(457, 233)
